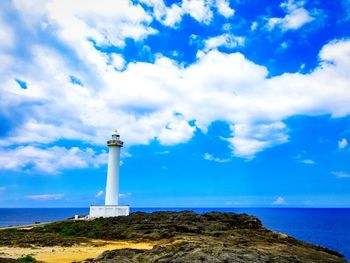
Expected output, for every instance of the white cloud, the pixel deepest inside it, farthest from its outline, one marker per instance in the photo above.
(173, 15)
(302, 159)
(343, 143)
(176, 132)
(279, 201)
(285, 45)
(50, 160)
(117, 61)
(169, 16)
(127, 195)
(225, 40)
(224, 8)
(45, 197)
(296, 16)
(199, 10)
(162, 100)
(163, 152)
(100, 194)
(308, 161)
(125, 154)
(78, 23)
(6, 35)
(218, 86)
(254, 26)
(291, 5)
(340, 174)
(248, 139)
(210, 157)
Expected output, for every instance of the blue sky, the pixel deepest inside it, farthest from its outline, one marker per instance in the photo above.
(220, 103)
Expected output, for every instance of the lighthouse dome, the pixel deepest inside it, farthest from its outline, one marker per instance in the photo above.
(115, 135)
(115, 141)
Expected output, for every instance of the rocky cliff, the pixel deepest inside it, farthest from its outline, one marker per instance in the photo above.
(210, 237)
(179, 237)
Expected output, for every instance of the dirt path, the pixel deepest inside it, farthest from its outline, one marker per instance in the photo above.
(57, 254)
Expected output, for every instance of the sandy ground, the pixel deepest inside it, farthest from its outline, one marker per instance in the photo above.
(70, 254)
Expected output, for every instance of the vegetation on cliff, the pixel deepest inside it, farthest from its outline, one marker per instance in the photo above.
(180, 236)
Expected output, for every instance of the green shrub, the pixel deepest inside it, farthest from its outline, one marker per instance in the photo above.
(26, 259)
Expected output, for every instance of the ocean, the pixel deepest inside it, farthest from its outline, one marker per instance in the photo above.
(329, 227)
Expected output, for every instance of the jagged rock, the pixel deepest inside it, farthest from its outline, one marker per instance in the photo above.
(7, 260)
(180, 237)
(211, 238)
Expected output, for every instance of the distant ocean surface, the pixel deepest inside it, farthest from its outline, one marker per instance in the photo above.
(329, 227)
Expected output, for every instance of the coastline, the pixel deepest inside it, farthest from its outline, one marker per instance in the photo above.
(329, 230)
(166, 234)
(28, 226)
(73, 253)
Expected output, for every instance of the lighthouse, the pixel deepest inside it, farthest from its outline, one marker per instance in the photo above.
(114, 146)
(111, 207)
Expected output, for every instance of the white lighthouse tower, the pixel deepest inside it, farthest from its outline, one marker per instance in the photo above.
(113, 169)
(111, 207)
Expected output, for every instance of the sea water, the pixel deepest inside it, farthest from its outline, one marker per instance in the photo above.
(321, 226)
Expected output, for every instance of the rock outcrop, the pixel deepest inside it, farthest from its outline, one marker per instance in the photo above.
(210, 237)
(179, 237)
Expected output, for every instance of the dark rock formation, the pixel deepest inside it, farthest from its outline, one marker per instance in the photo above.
(180, 237)
(7, 260)
(153, 226)
(211, 237)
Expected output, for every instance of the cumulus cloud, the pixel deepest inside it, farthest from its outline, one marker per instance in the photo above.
(49, 160)
(6, 35)
(254, 26)
(296, 16)
(161, 100)
(84, 23)
(308, 161)
(279, 201)
(343, 143)
(224, 8)
(340, 174)
(210, 157)
(45, 197)
(225, 40)
(177, 131)
(100, 194)
(168, 16)
(218, 86)
(200, 10)
(302, 159)
(117, 61)
(163, 152)
(122, 196)
(248, 139)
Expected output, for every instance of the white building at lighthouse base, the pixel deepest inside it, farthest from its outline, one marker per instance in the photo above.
(108, 211)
